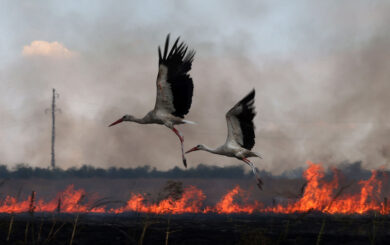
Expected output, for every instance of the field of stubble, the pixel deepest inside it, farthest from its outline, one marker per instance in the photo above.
(130, 228)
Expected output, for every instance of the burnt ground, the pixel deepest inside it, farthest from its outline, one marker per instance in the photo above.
(195, 229)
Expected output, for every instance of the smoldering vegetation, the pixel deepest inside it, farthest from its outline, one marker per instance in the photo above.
(119, 183)
(310, 227)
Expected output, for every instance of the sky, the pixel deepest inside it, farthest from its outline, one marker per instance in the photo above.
(320, 70)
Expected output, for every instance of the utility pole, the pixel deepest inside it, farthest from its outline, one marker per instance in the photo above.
(53, 127)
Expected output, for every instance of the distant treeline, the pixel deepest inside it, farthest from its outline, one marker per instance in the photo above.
(350, 170)
(87, 171)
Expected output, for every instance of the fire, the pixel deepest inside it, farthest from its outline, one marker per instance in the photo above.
(320, 195)
(327, 197)
(69, 201)
(190, 202)
(227, 204)
(317, 194)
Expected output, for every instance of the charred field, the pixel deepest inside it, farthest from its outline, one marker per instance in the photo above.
(321, 207)
(135, 228)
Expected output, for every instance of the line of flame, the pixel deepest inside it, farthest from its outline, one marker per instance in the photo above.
(319, 195)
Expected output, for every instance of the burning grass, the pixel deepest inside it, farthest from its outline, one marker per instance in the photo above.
(326, 205)
(318, 195)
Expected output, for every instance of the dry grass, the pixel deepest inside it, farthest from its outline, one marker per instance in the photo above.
(74, 229)
(11, 223)
(321, 232)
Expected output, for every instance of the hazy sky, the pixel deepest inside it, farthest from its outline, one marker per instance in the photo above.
(320, 70)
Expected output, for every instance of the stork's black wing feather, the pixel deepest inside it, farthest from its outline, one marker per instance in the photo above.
(246, 120)
(178, 62)
(241, 115)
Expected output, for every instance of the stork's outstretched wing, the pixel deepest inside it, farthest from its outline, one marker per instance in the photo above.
(174, 84)
(240, 122)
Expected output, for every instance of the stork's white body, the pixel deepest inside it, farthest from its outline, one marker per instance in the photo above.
(160, 117)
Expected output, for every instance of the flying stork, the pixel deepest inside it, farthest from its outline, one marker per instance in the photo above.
(241, 134)
(174, 90)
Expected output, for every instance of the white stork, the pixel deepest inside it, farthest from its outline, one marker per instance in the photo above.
(241, 134)
(174, 90)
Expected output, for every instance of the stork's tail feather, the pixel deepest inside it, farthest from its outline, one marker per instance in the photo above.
(256, 154)
(189, 122)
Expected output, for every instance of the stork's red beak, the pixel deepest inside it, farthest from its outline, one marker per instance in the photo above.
(193, 149)
(116, 122)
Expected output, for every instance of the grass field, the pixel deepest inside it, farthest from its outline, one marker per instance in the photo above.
(132, 228)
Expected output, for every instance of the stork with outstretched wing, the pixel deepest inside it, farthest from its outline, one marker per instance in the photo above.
(174, 90)
(241, 134)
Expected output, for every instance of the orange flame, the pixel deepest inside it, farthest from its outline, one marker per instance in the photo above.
(190, 202)
(319, 195)
(227, 204)
(322, 196)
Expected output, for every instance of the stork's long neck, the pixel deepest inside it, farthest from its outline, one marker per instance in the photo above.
(212, 150)
(143, 120)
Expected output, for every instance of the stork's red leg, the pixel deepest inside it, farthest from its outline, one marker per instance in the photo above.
(177, 132)
(254, 169)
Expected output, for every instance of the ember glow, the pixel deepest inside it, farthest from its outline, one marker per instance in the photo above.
(320, 195)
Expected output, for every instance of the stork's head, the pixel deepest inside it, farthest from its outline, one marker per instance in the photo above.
(122, 119)
(197, 148)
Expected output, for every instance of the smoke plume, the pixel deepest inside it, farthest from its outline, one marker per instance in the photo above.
(320, 71)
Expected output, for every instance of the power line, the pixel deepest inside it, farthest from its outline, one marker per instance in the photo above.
(53, 128)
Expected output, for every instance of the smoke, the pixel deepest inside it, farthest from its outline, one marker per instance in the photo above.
(320, 71)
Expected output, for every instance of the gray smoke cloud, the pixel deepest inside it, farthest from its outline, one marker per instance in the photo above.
(320, 71)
